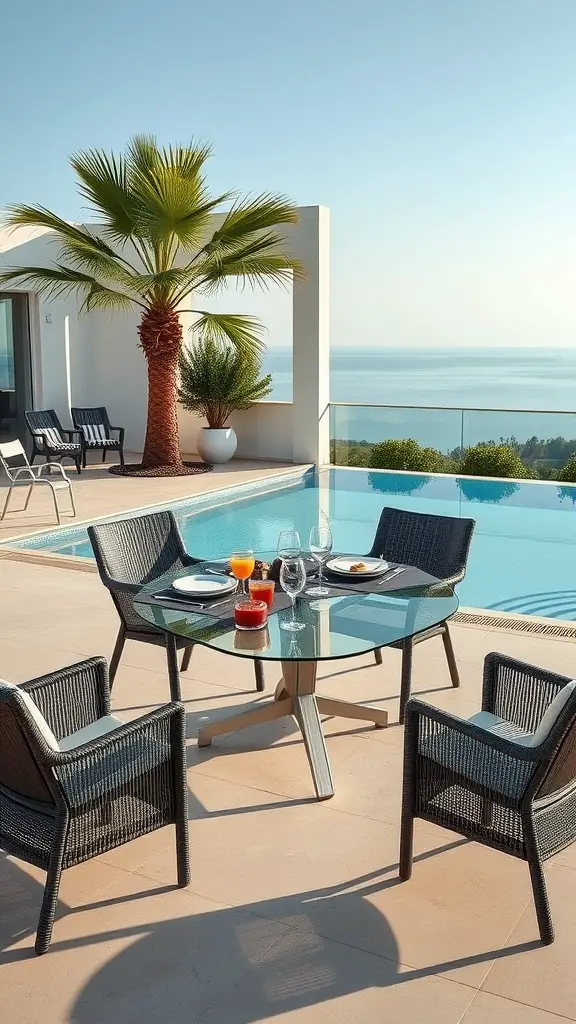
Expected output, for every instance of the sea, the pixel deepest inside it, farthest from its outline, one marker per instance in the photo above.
(475, 379)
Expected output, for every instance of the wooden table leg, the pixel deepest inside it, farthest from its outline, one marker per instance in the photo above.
(299, 681)
(345, 709)
(253, 716)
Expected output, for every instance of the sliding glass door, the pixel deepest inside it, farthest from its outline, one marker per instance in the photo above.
(15, 366)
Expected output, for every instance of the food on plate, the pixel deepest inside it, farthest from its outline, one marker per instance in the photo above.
(358, 567)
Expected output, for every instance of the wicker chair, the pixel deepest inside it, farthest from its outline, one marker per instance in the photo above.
(49, 438)
(63, 803)
(438, 545)
(488, 786)
(96, 432)
(130, 553)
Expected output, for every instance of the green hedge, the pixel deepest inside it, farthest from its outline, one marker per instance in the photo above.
(568, 472)
(406, 454)
(494, 460)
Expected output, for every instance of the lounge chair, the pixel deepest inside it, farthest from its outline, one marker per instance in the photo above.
(96, 432)
(19, 471)
(49, 437)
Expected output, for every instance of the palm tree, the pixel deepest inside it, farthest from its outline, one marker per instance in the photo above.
(150, 246)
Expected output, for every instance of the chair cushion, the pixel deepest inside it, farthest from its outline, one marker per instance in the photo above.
(100, 727)
(102, 442)
(511, 732)
(35, 713)
(552, 712)
(500, 727)
(63, 446)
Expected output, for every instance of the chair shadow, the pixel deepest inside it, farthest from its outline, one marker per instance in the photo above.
(277, 956)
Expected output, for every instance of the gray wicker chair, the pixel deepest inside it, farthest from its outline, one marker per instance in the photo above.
(487, 786)
(130, 553)
(49, 438)
(61, 807)
(438, 545)
(96, 433)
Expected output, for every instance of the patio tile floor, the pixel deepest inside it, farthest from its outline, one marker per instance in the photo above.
(295, 912)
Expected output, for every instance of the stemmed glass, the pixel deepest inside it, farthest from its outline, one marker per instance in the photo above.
(242, 566)
(289, 544)
(320, 544)
(292, 581)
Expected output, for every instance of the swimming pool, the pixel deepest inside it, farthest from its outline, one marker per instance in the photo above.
(523, 555)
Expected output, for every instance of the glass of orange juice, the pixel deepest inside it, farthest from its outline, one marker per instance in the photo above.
(242, 566)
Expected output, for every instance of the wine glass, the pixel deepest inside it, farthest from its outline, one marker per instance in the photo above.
(242, 566)
(320, 544)
(289, 546)
(292, 581)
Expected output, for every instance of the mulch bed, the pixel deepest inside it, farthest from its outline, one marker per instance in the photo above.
(181, 469)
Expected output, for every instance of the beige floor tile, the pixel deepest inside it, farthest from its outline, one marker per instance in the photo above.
(136, 953)
(307, 979)
(488, 1009)
(451, 918)
(542, 976)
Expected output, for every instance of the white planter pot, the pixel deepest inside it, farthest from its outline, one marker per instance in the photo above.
(217, 444)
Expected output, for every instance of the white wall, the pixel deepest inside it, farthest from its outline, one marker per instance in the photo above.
(264, 432)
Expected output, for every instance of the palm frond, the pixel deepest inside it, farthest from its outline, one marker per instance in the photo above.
(99, 297)
(243, 332)
(39, 217)
(252, 215)
(255, 262)
(51, 281)
(84, 255)
(105, 186)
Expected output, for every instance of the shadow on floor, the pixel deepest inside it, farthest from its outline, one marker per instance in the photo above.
(233, 965)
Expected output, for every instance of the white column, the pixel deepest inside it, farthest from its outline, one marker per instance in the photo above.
(311, 338)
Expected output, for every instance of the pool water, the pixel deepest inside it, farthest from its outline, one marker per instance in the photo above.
(523, 553)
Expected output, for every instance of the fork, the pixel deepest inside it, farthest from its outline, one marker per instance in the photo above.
(391, 575)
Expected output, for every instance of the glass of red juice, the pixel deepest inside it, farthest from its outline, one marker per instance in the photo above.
(250, 614)
(262, 590)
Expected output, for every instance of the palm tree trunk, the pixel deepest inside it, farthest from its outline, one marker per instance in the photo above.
(161, 337)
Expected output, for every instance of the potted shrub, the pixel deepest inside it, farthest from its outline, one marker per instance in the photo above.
(215, 380)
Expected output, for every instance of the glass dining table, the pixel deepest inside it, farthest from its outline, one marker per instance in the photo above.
(336, 627)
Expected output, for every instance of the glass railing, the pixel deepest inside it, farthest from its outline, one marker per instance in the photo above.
(544, 440)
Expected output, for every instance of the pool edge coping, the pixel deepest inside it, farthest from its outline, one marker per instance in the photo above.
(9, 552)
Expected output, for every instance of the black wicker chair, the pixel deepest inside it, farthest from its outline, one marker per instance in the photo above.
(489, 787)
(438, 545)
(130, 553)
(49, 438)
(96, 433)
(60, 807)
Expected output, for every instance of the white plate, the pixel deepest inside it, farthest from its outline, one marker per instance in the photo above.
(204, 584)
(341, 566)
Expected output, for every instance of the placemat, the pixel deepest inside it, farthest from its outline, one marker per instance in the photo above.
(407, 579)
(221, 608)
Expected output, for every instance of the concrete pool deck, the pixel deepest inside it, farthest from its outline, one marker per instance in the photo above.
(98, 493)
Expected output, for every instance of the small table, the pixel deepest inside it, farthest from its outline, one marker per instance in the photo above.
(336, 628)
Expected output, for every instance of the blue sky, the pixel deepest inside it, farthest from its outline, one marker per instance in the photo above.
(441, 133)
